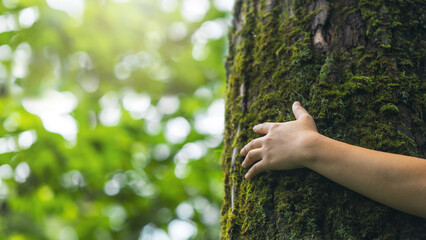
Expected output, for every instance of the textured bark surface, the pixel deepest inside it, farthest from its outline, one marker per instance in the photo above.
(358, 68)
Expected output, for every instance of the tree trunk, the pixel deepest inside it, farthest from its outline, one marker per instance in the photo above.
(358, 68)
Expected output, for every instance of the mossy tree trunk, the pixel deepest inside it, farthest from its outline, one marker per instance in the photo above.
(358, 68)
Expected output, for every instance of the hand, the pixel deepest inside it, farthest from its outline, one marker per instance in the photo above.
(285, 146)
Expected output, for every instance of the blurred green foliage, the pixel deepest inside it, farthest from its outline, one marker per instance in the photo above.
(111, 118)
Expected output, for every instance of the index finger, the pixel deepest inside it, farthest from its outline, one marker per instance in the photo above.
(263, 128)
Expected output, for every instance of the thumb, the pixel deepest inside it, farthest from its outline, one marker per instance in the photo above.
(298, 110)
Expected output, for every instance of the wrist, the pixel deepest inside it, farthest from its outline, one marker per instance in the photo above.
(313, 145)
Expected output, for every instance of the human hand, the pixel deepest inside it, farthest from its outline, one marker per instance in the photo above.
(285, 146)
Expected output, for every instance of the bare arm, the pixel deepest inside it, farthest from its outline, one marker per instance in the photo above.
(397, 181)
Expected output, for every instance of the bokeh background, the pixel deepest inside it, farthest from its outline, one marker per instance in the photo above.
(111, 118)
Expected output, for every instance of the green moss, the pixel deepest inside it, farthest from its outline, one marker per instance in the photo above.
(389, 109)
(352, 92)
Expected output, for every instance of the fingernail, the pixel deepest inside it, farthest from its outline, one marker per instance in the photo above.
(297, 103)
(254, 128)
(246, 176)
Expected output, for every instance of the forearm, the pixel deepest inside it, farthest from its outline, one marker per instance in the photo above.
(397, 181)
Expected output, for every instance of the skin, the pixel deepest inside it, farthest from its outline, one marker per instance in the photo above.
(394, 180)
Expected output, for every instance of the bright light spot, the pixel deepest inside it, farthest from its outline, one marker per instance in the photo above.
(26, 139)
(6, 171)
(168, 5)
(4, 190)
(144, 59)
(12, 122)
(153, 118)
(89, 81)
(22, 172)
(200, 203)
(213, 141)
(194, 10)
(110, 116)
(80, 59)
(28, 16)
(136, 103)
(181, 169)
(152, 127)
(117, 216)
(177, 129)
(73, 178)
(111, 111)
(139, 160)
(185, 211)
(135, 180)
(121, 179)
(21, 60)
(203, 93)
(140, 185)
(64, 125)
(213, 121)
(74, 8)
(7, 23)
(181, 230)
(7, 144)
(200, 51)
(53, 108)
(210, 30)
(68, 233)
(150, 232)
(5, 52)
(109, 99)
(52, 102)
(168, 104)
(112, 187)
(148, 190)
(132, 60)
(10, 3)
(193, 150)
(122, 71)
(161, 152)
(177, 31)
(224, 5)
(210, 215)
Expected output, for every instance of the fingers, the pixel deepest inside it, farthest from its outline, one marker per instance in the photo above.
(252, 157)
(299, 111)
(263, 128)
(253, 171)
(256, 143)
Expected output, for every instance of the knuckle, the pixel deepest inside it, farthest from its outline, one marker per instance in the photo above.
(274, 126)
(307, 117)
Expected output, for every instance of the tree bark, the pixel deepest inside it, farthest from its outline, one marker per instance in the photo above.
(358, 68)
